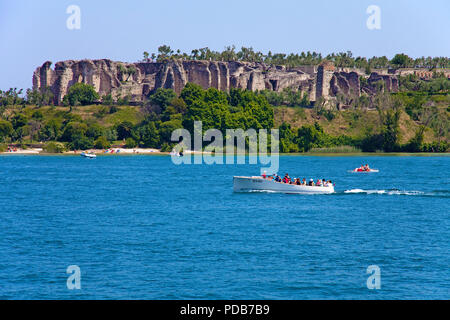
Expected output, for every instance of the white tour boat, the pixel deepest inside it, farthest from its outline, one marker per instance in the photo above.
(248, 184)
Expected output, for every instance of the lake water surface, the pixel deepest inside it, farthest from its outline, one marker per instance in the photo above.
(140, 227)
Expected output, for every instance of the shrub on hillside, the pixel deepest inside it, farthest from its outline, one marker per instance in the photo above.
(81, 143)
(54, 147)
(130, 143)
(102, 143)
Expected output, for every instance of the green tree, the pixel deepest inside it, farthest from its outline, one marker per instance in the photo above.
(94, 131)
(149, 135)
(309, 136)
(80, 143)
(22, 132)
(19, 120)
(54, 147)
(81, 94)
(130, 143)
(51, 130)
(401, 60)
(162, 98)
(192, 93)
(416, 143)
(287, 137)
(164, 53)
(166, 129)
(6, 129)
(124, 130)
(102, 143)
(74, 131)
(391, 130)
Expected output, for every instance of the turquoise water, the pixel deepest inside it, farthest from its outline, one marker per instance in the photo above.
(140, 227)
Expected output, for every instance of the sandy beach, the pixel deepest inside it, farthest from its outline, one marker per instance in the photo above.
(118, 151)
(111, 151)
(24, 151)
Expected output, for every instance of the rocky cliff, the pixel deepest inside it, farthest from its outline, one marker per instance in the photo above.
(138, 80)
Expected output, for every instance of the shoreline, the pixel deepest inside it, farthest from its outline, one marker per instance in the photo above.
(149, 151)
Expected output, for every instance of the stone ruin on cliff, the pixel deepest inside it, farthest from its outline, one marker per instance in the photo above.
(108, 77)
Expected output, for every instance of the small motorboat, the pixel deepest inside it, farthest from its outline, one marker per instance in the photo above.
(249, 184)
(88, 155)
(365, 170)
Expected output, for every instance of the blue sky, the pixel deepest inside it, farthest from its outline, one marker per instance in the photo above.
(33, 32)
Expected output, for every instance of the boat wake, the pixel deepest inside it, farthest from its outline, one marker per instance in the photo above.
(391, 192)
(258, 191)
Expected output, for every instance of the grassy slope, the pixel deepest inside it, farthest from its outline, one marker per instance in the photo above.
(91, 113)
(351, 123)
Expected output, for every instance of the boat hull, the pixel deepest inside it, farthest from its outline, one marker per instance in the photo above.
(249, 184)
(88, 155)
(365, 171)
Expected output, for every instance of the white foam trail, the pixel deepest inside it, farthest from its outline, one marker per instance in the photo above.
(259, 191)
(388, 192)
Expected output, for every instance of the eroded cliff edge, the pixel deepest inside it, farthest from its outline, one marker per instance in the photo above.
(111, 77)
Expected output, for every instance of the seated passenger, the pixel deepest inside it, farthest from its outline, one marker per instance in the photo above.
(311, 182)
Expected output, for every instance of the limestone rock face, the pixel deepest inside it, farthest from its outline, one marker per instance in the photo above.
(115, 78)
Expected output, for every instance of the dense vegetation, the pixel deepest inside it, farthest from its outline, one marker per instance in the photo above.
(147, 126)
(341, 59)
(415, 119)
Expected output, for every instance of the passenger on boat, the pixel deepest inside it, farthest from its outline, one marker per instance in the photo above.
(304, 182)
(264, 175)
(319, 183)
(311, 182)
(297, 181)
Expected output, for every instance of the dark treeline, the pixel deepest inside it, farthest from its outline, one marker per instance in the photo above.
(341, 59)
